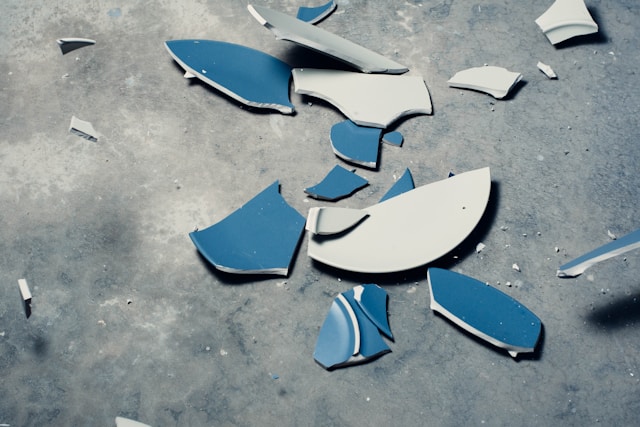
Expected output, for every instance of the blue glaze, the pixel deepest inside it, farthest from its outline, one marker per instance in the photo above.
(402, 185)
(371, 343)
(336, 339)
(260, 237)
(356, 144)
(393, 138)
(338, 183)
(247, 75)
(313, 15)
(495, 314)
(373, 302)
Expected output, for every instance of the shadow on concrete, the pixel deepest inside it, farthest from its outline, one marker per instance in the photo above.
(621, 313)
(594, 39)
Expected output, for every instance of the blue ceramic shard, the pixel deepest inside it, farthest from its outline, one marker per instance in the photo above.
(484, 311)
(313, 15)
(371, 343)
(393, 138)
(260, 237)
(356, 144)
(338, 339)
(372, 299)
(402, 185)
(338, 183)
(246, 75)
(617, 247)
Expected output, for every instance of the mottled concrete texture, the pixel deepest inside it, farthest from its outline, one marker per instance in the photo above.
(127, 318)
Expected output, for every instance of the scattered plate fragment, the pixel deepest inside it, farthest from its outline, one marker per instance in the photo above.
(332, 220)
(260, 237)
(313, 15)
(411, 229)
(367, 99)
(566, 19)
(402, 185)
(83, 129)
(356, 144)
(480, 247)
(547, 70)
(286, 27)
(484, 311)
(338, 183)
(496, 81)
(126, 422)
(246, 75)
(26, 296)
(351, 331)
(393, 138)
(72, 43)
(617, 247)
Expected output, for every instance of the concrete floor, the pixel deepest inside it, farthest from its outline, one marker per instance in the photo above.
(129, 320)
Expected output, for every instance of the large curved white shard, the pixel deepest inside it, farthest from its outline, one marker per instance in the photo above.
(411, 229)
(374, 100)
(566, 19)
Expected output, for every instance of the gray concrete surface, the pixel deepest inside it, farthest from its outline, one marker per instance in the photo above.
(128, 320)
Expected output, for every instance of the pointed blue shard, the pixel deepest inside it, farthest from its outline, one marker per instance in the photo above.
(371, 343)
(260, 237)
(338, 183)
(246, 75)
(484, 311)
(393, 138)
(402, 185)
(356, 144)
(339, 338)
(373, 300)
(313, 15)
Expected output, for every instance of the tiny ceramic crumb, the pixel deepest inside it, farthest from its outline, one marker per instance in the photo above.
(83, 129)
(496, 81)
(547, 70)
(72, 43)
(25, 293)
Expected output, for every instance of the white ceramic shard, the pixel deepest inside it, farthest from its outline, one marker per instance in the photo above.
(566, 19)
(73, 43)
(25, 293)
(286, 27)
(411, 229)
(330, 220)
(83, 129)
(126, 422)
(372, 100)
(496, 81)
(547, 70)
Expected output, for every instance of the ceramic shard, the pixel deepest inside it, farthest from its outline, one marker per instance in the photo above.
(286, 27)
(411, 229)
(484, 311)
(372, 100)
(351, 331)
(126, 422)
(25, 293)
(260, 237)
(496, 81)
(338, 183)
(313, 15)
(246, 75)
(393, 138)
(617, 247)
(83, 129)
(356, 144)
(566, 19)
(331, 220)
(547, 70)
(73, 43)
(401, 186)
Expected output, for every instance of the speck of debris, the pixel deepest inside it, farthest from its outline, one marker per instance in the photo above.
(223, 352)
(498, 283)
(590, 277)
(207, 348)
(411, 290)
(129, 301)
(479, 247)
(524, 234)
(508, 284)
(516, 267)
(275, 376)
(504, 228)
(611, 235)
(539, 233)
(557, 249)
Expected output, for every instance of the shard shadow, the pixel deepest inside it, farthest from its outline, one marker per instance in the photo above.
(40, 345)
(622, 312)
(594, 38)
(301, 57)
(514, 90)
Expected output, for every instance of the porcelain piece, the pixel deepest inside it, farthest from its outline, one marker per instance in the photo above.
(496, 81)
(356, 144)
(126, 422)
(83, 129)
(373, 301)
(25, 293)
(313, 15)
(338, 183)
(332, 220)
(72, 43)
(393, 138)
(566, 19)
(402, 185)
(547, 70)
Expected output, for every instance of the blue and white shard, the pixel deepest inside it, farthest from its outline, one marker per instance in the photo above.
(246, 75)
(313, 15)
(259, 238)
(393, 138)
(356, 144)
(338, 183)
(617, 247)
(484, 311)
(402, 185)
(351, 331)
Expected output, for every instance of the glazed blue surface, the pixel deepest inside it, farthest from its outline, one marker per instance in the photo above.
(357, 144)
(371, 343)
(373, 302)
(260, 236)
(402, 185)
(338, 183)
(246, 74)
(485, 308)
(313, 15)
(393, 138)
(336, 338)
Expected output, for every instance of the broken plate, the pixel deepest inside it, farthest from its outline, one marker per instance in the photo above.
(372, 100)
(246, 75)
(338, 183)
(313, 15)
(322, 220)
(260, 237)
(83, 129)
(393, 138)
(411, 229)
(351, 331)
(286, 27)
(496, 81)
(566, 19)
(484, 311)
(617, 247)
(73, 43)
(402, 185)
(547, 70)
(356, 144)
